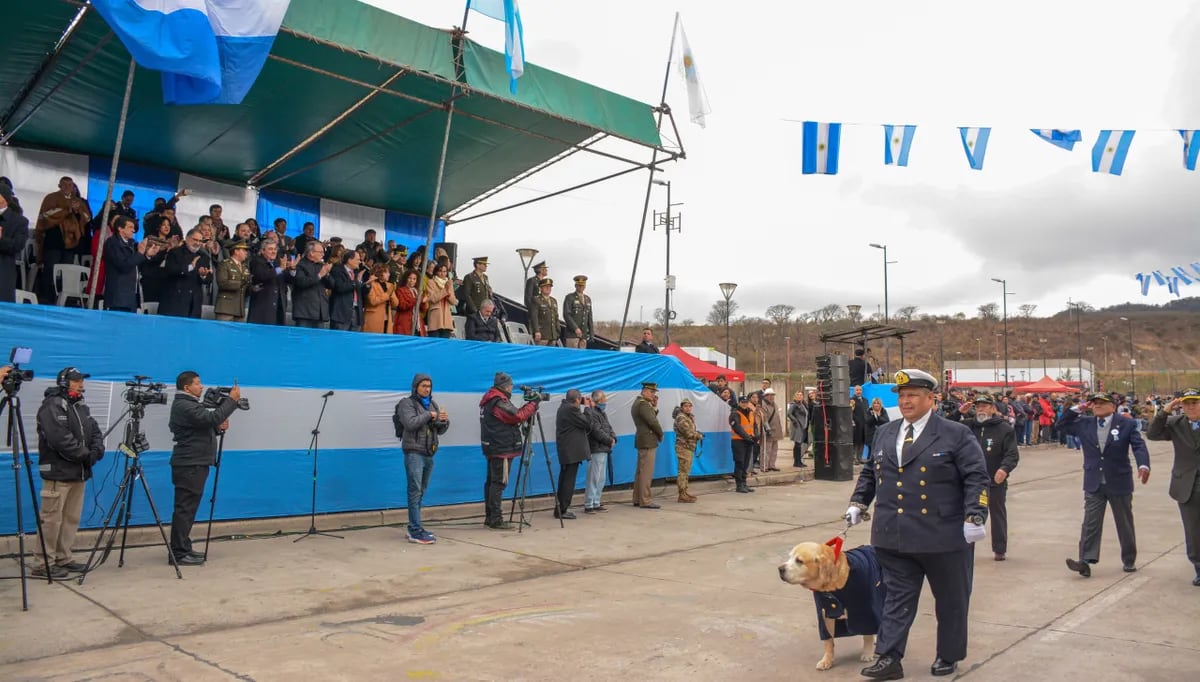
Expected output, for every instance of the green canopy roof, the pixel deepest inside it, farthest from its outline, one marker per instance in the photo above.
(350, 106)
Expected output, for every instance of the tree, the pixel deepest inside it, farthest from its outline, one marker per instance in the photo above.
(906, 313)
(720, 313)
(780, 313)
(660, 317)
(686, 322)
(989, 311)
(1027, 310)
(1082, 306)
(829, 313)
(960, 316)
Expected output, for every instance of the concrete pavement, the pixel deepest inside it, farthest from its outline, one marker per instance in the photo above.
(688, 592)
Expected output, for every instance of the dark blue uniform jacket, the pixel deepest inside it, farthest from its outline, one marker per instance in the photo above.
(860, 601)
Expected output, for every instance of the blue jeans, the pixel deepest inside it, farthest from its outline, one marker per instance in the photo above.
(596, 471)
(1072, 442)
(1027, 437)
(419, 468)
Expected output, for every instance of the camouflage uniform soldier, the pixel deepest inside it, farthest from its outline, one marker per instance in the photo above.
(475, 287)
(577, 314)
(543, 316)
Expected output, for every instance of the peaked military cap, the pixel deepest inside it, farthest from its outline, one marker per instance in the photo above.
(581, 279)
(545, 282)
(915, 378)
(653, 386)
(1190, 394)
(1099, 397)
(239, 244)
(540, 264)
(481, 259)
(984, 398)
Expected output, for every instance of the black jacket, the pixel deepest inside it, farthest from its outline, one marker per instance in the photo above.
(121, 261)
(153, 277)
(500, 423)
(998, 442)
(266, 292)
(195, 429)
(646, 347)
(183, 289)
(859, 369)
(571, 428)
(479, 329)
(601, 438)
(12, 242)
(69, 440)
(421, 430)
(873, 423)
(309, 300)
(346, 301)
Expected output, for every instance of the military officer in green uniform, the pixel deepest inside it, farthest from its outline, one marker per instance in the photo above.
(233, 280)
(577, 314)
(475, 287)
(540, 272)
(396, 265)
(543, 316)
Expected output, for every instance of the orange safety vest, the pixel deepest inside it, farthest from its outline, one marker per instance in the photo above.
(747, 423)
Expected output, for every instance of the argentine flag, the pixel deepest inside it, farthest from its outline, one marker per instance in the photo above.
(1196, 268)
(1144, 281)
(1182, 275)
(209, 51)
(1191, 148)
(1059, 138)
(974, 142)
(821, 145)
(1110, 150)
(514, 34)
(897, 140)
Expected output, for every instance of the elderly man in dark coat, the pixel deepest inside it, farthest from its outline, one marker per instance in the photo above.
(310, 284)
(483, 325)
(187, 269)
(267, 284)
(14, 233)
(571, 428)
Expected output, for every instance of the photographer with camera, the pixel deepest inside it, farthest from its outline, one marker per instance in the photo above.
(419, 422)
(572, 426)
(500, 437)
(195, 428)
(69, 444)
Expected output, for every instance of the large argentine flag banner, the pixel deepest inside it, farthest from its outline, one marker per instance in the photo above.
(897, 141)
(974, 142)
(209, 51)
(822, 142)
(1110, 150)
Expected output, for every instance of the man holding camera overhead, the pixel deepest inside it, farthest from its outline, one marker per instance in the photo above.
(195, 428)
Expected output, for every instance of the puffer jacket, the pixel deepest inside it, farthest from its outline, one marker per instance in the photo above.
(601, 438)
(69, 440)
(421, 430)
(500, 423)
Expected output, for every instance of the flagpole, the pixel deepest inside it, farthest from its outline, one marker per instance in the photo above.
(441, 171)
(112, 180)
(649, 185)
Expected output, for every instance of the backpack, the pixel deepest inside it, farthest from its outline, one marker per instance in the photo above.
(396, 423)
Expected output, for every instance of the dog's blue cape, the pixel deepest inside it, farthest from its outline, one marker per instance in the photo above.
(859, 602)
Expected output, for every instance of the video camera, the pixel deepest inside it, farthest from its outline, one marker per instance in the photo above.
(214, 394)
(533, 394)
(17, 356)
(142, 391)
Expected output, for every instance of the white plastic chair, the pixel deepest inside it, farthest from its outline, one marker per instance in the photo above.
(208, 312)
(460, 326)
(27, 265)
(70, 281)
(149, 308)
(519, 333)
(26, 296)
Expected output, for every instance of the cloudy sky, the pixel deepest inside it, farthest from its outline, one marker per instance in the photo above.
(1036, 215)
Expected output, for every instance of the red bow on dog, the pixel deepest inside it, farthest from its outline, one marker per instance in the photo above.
(836, 544)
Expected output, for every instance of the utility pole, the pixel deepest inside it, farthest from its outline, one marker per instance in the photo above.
(669, 223)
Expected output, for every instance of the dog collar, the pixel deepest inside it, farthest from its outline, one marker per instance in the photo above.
(836, 544)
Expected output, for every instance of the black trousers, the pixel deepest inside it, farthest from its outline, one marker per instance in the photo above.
(1190, 512)
(189, 488)
(567, 474)
(798, 454)
(950, 575)
(998, 513)
(308, 324)
(741, 459)
(1093, 526)
(493, 490)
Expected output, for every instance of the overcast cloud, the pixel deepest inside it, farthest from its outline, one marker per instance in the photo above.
(1036, 215)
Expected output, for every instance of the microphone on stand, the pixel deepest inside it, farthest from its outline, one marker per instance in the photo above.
(327, 394)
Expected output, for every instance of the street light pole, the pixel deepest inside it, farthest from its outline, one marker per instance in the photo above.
(1004, 287)
(668, 224)
(1045, 371)
(887, 345)
(1132, 360)
(727, 289)
(979, 348)
(1105, 340)
(942, 345)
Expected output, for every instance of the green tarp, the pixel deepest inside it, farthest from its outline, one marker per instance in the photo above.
(328, 56)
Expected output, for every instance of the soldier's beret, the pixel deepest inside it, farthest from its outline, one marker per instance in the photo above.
(915, 378)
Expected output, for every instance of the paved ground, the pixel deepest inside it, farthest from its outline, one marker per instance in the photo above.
(690, 592)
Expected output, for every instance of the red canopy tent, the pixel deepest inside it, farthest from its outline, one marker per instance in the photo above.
(1047, 385)
(704, 370)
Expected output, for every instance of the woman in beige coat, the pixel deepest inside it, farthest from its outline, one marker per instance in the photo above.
(439, 291)
(381, 299)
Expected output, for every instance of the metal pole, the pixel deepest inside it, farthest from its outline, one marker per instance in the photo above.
(1004, 286)
(112, 180)
(667, 281)
(1132, 362)
(1079, 341)
(887, 345)
(649, 185)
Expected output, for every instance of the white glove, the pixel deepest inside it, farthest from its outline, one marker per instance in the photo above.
(853, 515)
(973, 533)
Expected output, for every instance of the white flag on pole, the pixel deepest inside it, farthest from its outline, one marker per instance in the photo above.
(697, 99)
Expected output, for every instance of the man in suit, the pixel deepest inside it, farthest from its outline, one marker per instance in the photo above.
(1184, 432)
(1106, 438)
(14, 233)
(349, 289)
(122, 256)
(310, 282)
(186, 270)
(268, 282)
(929, 482)
(859, 368)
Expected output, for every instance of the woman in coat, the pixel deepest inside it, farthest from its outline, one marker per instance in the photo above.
(440, 293)
(406, 300)
(381, 300)
(877, 416)
(152, 269)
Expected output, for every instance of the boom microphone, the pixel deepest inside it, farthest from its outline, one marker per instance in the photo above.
(327, 394)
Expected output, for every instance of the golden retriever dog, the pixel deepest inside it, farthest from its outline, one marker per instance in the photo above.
(847, 589)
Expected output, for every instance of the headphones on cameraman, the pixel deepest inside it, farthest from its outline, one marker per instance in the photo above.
(63, 381)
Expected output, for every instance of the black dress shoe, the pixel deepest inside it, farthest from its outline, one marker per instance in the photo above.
(188, 560)
(648, 506)
(1129, 568)
(884, 668)
(1080, 567)
(1196, 581)
(943, 667)
(565, 515)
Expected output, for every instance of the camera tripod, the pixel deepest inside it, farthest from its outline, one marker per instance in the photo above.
(212, 501)
(20, 450)
(523, 472)
(121, 511)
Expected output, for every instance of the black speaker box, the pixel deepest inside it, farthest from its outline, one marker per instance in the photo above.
(833, 461)
(834, 421)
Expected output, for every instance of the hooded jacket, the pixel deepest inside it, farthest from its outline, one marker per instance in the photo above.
(500, 423)
(998, 442)
(69, 440)
(421, 430)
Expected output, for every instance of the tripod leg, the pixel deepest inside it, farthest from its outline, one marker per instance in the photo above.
(212, 501)
(126, 518)
(157, 521)
(116, 510)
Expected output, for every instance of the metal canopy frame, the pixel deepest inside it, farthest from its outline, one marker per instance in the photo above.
(864, 334)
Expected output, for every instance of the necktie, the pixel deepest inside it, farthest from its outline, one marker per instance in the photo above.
(909, 437)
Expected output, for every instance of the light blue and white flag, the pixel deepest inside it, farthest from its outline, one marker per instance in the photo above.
(514, 34)
(1182, 275)
(1158, 278)
(1144, 281)
(1196, 268)
(697, 98)
(974, 142)
(822, 142)
(897, 141)
(209, 51)
(1191, 148)
(1059, 138)
(1110, 150)
(1173, 286)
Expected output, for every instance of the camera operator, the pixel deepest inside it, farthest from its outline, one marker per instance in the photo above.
(195, 429)
(69, 443)
(572, 425)
(420, 421)
(500, 436)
